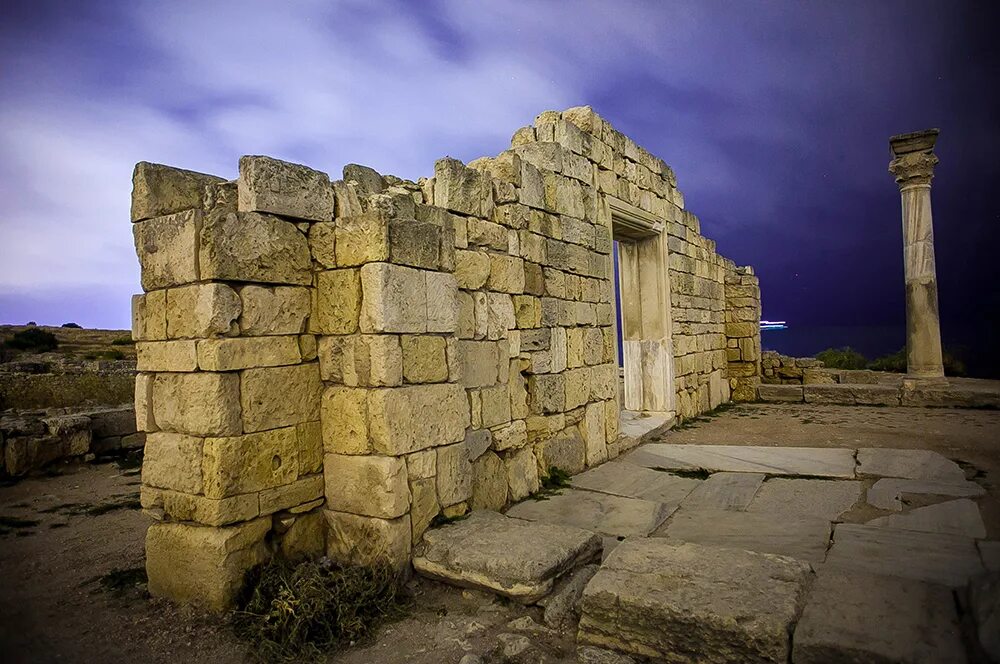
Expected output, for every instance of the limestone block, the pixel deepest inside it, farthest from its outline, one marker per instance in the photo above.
(280, 396)
(547, 393)
(480, 362)
(489, 483)
(273, 310)
(361, 540)
(167, 248)
(280, 187)
(495, 405)
(500, 315)
(566, 451)
(421, 465)
(487, 234)
(506, 274)
(510, 436)
(200, 404)
(149, 320)
(362, 239)
(367, 485)
(593, 430)
(186, 507)
(308, 349)
(577, 387)
(247, 352)
(442, 302)
(557, 354)
(159, 190)
(173, 461)
(604, 381)
(367, 179)
(294, 495)
(201, 310)
(384, 359)
(345, 420)
(532, 192)
(203, 565)
(408, 419)
(454, 474)
(394, 299)
(424, 359)
(253, 247)
(462, 189)
(166, 356)
(472, 269)
(337, 302)
(305, 537)
(144, 420)
(309, 445)
(322, 238)
(522, 473)
(414, 243)
(466, 316)
(425, 505)
(249, 463)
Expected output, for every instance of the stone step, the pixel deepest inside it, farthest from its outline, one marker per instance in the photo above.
(691, 603)
(510, 557)
(780, 393)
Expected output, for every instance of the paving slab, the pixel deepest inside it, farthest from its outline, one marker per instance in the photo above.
(797, 536)
(514, 558)
(812, 461)
(909, 464)
(692, 603)
(600, 513)
(632, 481)
(946, 559)
(724, 491)
(889, 493)
(825, 499)
(990, 553)
(857, 617)
(955, 517)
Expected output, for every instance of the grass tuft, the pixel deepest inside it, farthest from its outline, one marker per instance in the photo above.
(301, 612)
(551, 483)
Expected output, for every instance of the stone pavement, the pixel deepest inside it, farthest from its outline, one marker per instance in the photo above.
(726, 553)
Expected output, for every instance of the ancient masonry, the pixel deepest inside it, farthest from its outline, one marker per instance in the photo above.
(325, 367)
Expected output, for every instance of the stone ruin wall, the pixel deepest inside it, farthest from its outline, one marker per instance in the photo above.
(328, 367)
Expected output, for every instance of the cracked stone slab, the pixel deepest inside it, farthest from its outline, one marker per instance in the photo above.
(889, 493)
(955, 517)
(724, 491)
(691, 603)
(811, 461)
(826, 499)
(796, 536)
(600, 513)
(908, 464)
(946, 559)
(626, 479)
(857, 617)
(514, 558)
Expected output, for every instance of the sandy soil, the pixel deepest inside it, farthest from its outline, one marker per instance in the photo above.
(60, 533)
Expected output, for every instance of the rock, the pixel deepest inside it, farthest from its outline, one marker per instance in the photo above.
(562, 606)
(825, 499)
(249, 246)
(514, 648)
(471, 659)
(944, 559)
(368, 179)
(363, 540)
(528, 625)
(279, 187)
(592, 655)
(522, 473)
(597, 512)
(724, 491)
(890, 493)
(908, 464)
(159, 190)
(801, 537)
(625, 479)
(954, 517)
(820, 462)
(689, 602)
(507, 556)
(857, 617)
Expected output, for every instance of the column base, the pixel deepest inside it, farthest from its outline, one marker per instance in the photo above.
(912, 381)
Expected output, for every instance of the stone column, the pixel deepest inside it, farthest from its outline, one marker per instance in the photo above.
(913, 166)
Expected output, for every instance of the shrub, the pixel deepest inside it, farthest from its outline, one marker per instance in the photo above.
(296, 612)
(122, 341)
(894, 362)
(72, 325)
(34, 339)
(113, 354)
(842, 358)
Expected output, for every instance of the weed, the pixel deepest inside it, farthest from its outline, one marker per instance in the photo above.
(130, 461)
(300, 612)
(442, 520)
(689, 473)
(551, 483)
(119, 580)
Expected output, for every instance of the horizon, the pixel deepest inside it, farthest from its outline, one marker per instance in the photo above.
(776, 120)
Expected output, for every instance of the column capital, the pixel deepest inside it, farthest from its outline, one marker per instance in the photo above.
(913, 157)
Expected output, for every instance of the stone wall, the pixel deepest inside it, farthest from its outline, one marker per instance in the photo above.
(743, 351)
(65, 383)
(784, 370)
(332, 365)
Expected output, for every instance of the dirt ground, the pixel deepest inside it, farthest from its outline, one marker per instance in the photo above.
(68, 536)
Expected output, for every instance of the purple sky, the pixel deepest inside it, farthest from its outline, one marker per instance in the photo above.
(774, 115)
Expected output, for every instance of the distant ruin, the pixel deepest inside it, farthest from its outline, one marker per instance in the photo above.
(328, 367)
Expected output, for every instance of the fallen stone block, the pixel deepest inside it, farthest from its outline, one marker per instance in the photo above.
(597, 512)
(691, 603)
(513, 558)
